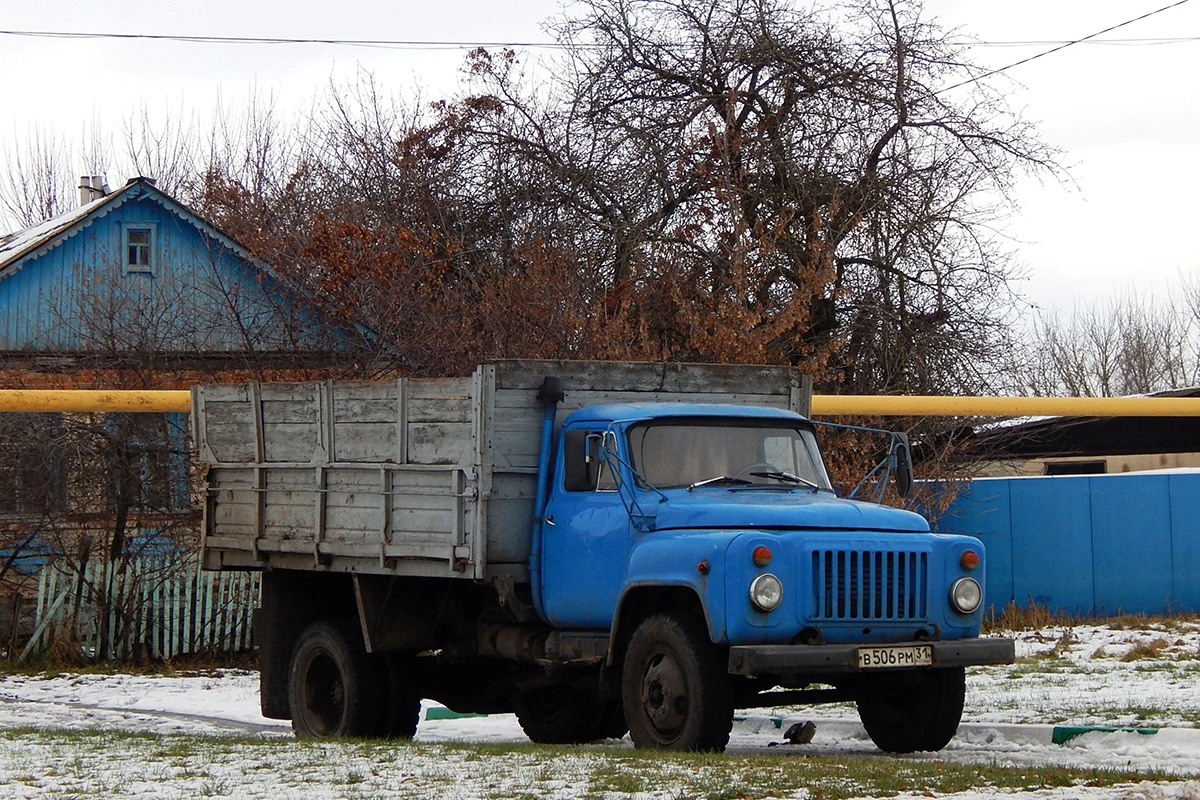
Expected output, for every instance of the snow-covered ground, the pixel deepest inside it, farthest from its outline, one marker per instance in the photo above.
(1039, 711)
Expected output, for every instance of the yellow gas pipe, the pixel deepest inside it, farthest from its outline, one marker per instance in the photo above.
(825, 405)
(42, 400)
(935, 406)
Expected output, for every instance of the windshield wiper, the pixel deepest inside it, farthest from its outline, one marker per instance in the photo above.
(725, 479)
(789, 478)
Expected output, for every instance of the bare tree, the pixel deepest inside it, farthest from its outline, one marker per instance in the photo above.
(729, 180)
(39, 182)
(1129, 344)
(167, 149)
(802, 168)
(43, 168)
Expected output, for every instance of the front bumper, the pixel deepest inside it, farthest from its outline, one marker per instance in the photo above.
(776, 659)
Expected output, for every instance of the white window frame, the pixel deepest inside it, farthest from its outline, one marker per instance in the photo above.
(151, 246)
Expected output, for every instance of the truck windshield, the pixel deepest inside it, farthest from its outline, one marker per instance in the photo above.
(683, 453)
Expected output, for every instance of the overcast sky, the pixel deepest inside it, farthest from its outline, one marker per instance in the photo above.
(1126, 115)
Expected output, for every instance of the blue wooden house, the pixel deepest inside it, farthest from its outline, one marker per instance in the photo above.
(134, 270)
(132, 289)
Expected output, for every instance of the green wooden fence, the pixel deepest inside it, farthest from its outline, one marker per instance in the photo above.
(153, 609)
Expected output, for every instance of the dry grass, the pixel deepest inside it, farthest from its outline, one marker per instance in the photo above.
(1153, 649)
(1036, 616)
(1064, 643)
(1031, 617)
(1164, 622)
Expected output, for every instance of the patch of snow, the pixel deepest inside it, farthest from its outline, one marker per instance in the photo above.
(1079, 677)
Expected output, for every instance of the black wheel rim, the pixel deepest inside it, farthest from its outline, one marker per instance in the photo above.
(324, 694)
(665, 696)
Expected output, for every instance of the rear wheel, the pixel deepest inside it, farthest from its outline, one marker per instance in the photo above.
(612, 719)
(921, 716)
(563, 713)
(403, 700)
(334, 685)
(677, 694)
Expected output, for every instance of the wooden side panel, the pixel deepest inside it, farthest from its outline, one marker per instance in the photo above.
(401, 422)
(375, 515)
(291, 422)
(510, 517)
(368, 422)
(364, 476)
(674, 382)
(222, 428)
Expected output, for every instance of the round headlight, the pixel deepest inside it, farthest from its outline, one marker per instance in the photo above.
(766, 592)
(965, 595)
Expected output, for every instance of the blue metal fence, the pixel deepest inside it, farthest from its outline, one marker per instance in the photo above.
(1087, 545)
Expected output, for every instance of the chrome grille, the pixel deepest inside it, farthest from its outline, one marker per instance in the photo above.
(869, 584)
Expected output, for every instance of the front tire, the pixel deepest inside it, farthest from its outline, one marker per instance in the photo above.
(677, 695)
(924, 716)
(334, 685)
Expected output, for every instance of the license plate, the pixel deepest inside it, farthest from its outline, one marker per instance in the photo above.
(920, 655)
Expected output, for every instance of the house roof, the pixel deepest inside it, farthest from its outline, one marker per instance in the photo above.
(16, 249)
(14, 246)
(1081, 436)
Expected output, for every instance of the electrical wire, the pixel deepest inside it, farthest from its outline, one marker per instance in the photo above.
(399, 44)
(1063, 46)
(414, 44)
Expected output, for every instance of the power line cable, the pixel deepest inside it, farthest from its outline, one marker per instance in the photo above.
(1061, 47)
(1126, 42)
(417, 44)
(402, 44)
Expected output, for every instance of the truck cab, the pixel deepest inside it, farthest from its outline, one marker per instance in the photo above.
(725, 518)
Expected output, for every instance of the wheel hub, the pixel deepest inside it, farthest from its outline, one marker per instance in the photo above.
(326, 695)
(664, 694)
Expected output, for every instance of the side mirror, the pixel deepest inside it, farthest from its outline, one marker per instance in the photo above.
(902, 463)
(599, 450)
(592, 447)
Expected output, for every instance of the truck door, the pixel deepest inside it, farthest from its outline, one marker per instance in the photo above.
(586, 538)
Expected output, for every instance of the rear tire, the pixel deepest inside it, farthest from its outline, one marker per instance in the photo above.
(334, 685)
(677, 695)
(923, 716)
(612, 719)
(561, 713)
(403, 699)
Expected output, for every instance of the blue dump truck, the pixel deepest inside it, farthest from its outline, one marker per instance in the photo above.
(600, 548)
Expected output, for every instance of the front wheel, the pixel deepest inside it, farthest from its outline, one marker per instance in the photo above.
(924, 716)
(334, 686)
(676, 692)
